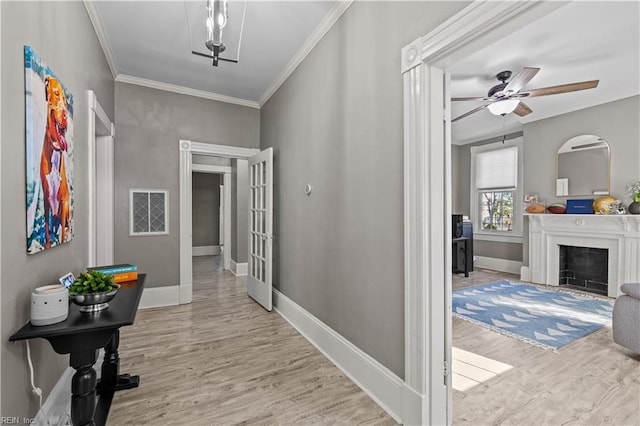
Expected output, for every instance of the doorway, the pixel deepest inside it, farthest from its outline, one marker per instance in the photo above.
(101, 184)
(211, 209)
(189, 149)
(427, 190)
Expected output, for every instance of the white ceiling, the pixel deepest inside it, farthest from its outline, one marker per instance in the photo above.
(151, 40)
(580, 41)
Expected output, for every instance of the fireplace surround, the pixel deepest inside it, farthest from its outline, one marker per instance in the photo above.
(619, 235)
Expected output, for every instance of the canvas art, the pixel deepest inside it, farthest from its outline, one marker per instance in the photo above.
(49, 152)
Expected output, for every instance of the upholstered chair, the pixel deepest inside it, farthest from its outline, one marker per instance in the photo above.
(626, 317)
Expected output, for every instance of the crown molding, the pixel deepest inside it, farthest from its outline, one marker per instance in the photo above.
(102, 36)
(329, 20)
(123, 78)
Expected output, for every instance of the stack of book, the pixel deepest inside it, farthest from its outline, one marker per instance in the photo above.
(121, 273)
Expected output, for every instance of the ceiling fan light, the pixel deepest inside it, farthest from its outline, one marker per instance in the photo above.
(503, 107)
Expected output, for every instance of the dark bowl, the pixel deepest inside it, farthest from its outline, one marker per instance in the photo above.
(557, 209)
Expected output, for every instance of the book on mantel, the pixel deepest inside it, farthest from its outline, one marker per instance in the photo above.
(121, 273)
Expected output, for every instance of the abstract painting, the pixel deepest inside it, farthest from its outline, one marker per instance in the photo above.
(49, 152)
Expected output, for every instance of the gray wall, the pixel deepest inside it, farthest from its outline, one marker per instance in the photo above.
(617, 122)
(210, 160)
(459, 176)
(149, 124)
(336, 123)
(240, 210)
(74, 54)
(205, 211)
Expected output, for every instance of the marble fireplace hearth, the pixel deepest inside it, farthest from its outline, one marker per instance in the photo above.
(619, 235)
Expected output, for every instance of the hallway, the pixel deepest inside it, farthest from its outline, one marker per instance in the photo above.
(223, 359)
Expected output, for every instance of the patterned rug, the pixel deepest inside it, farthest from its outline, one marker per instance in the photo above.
(545, 318)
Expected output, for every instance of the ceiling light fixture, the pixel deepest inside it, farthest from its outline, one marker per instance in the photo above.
(216, 21)
(503, 107)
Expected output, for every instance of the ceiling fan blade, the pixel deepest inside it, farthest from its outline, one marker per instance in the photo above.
(522, 109)
(466, 114)
(520, 80)
(469, 98)
(562, 88)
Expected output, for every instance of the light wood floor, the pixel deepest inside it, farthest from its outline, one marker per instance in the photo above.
(224, 360)
(592, 381)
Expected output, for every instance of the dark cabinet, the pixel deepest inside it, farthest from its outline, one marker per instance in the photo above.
(462, 251)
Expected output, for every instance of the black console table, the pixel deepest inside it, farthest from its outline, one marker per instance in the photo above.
(81, 335)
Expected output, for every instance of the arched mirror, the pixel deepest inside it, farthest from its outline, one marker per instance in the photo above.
(582, 167)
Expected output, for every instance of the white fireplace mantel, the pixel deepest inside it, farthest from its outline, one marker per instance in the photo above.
(619, 234)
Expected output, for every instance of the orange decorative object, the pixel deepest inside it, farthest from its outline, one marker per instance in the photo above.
(535, 208)
(603, 205)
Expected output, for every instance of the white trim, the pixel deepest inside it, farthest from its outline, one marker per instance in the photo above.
(426, 397)
(123, 78)
(228, 247)
(100, 130)
(94, 17)
(0, 200)
(216, 150)
(187, 150)
(525, 273)
(380, 383)
(516, 239)
(210, 168)
(206, 250)
(154, 297)
(495, 264)
(56, 407)
(325, 25)
(426, 245)
(239, 269)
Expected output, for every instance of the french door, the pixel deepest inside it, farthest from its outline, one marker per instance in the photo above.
(260, 227)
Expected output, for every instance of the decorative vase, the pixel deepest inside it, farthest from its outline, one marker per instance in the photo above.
(634, 208)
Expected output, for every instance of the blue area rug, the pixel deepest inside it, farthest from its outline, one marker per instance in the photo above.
(546, 318)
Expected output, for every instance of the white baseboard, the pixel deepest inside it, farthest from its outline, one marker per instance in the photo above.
(206, 251)
(155, 297)
(415, 407)
(496, 264)
(380, 383)
(239, 269)
(56, 408)
(525, 273)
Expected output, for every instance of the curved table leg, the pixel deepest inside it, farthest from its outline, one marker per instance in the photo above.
(83, 387)
(111, 380)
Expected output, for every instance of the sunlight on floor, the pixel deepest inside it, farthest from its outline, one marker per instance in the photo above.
(470, 369)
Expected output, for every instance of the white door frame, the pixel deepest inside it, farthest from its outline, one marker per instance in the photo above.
(427, 198)
(0, 208)
(225, 171)
(101, 133)
(187, 150)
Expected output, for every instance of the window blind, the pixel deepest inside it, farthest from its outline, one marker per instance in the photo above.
(497, 169)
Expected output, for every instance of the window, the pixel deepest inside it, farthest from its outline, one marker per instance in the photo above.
(148, 212)
(496, 187)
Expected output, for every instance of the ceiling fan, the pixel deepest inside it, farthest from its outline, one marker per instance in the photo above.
(504, 98)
